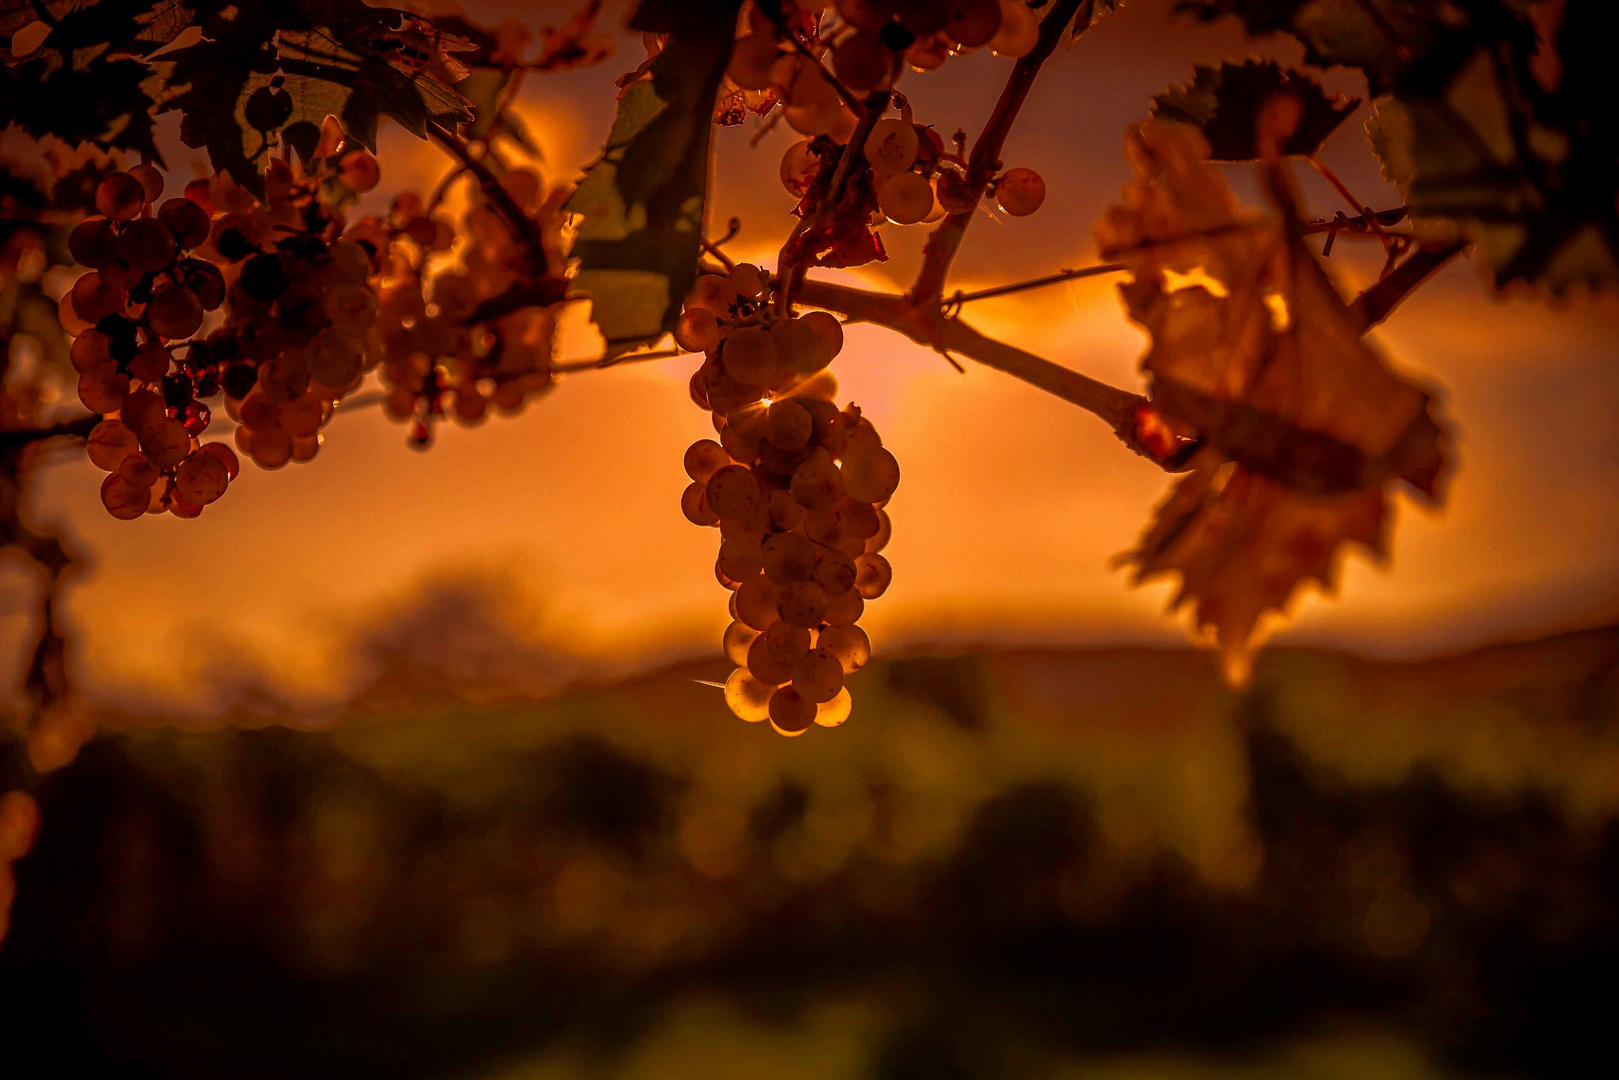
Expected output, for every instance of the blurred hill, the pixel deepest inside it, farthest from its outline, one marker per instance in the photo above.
(1050, 864)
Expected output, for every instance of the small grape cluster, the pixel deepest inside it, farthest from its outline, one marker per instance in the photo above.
(797, 488)
(441, 354)
(144, 290)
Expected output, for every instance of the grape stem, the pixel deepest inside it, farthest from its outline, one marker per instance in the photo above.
(522, 226)
(1376, 303)
(959, 297)
(941, 247)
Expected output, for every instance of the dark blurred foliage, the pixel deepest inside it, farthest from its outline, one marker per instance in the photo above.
(271, 903)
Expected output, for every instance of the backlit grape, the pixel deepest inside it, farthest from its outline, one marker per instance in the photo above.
(833, 713)
(1019, 31)
(817, 675)
(891, 147)
(799, 167)
(697, 330)
(120, 197)
(752, 57)
(749, 356)
(1019, 192)
(973, 22)
(790, 713)
(747, 697)
(905, 198)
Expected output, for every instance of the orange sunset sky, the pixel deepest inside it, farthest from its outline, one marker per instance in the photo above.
(1012, 502)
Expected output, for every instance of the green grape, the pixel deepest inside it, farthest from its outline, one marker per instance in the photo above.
(335, 359)
(798, 346)
(905, 198)
(756, 602)
(749, 356)
(790, 714)
(870, 473)
(704, 458)
(818, 482)
(845, 609)
(767, 667)
(834, 573)
(697, 330)
(872, 576)
(799, 168)
(747, 697)
(174, 312)
(89, 349)
(892, 145)
(1019, 192)
(802, 603)
(817, 676)
(828, 331)
(747, 281)
(140, 470)
(788, 426)
(833, 713)
(733, 492)
(124, 500)
(166, 442)
(858, 518)
(879, 540)
(849, 644)
(711, 292)
(352, 309)
(785, 513)
(740, 556)
(109, 443)
(272, 448)
(92, 243)
(788, 557)
(103, 388)
(738, 639)
(694, 504)
(225, 455)
(201, 478)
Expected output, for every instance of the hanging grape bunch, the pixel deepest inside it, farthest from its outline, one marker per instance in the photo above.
(796, 488)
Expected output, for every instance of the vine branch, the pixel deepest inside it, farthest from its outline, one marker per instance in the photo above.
(1376, 303)
(79, 428)
(519, 222)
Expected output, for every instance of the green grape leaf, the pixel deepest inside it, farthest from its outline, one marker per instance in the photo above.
(209, 83)
(641, 203)
(1224, 102)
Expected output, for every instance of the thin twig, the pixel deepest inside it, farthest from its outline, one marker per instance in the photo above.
(1376, 303)
(959, 297)
(849, 97)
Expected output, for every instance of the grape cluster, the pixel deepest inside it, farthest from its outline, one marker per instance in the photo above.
(451, 344)
(797, 488)
(146, 288)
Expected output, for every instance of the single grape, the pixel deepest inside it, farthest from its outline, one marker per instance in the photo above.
(818, 482)
(785, 513)
(738, 639)
(929, 53)
(150, 180)
(905, 198)
(873, 575)
(697, 330)
(750, 356)
(879, 540)
(747, 697)
(817, 676)
(109, 443)
(92, 243)
(352, 309)
(89, 349)
(864, 62)
(799, 167)
(892, 145)
(788, 557)
(166, 442)
(733, 492)
(335, 359)
(694, 504)
(789, 425)
(103, 388)
(828, 331)
(303, 416)
(799, 346)
(93, 299)
(1019, 31)
(858, 518)
(849, 644)
(870, 473)
(818, 117)
(225, 455)
(833, 713)
(140, 470)
(752, 57)
(1019, 192)
(713, 293)
(704, 458)
(765, 665)
(200, 479)
(272, 448)
(123, 500)
(747, 281)
(802, 603)
(756, 602)
(834, 573)
(174, 312)
(790, 714)
(358, 171)
(973, 23)
(146, 246)
(845, 610)
(120, 197)
(741, 557)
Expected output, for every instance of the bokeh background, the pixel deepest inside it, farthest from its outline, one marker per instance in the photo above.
(404, 770)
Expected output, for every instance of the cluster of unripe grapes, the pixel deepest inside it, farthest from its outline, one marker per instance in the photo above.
(796, 487)
(438, 359)
(870, 43)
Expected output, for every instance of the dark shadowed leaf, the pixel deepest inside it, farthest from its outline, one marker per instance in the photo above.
(1224, 102)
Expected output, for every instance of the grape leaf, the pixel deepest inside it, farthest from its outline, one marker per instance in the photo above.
(1301, 426)
(1224, 103)
(641, 202)
(104, 102)
(210, 83)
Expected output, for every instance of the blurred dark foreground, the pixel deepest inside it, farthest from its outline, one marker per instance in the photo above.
(1065, 865)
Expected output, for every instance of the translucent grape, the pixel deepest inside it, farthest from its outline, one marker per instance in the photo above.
(905, 198)
(879, 540)
(352, 309)
(790, 713)
(785, 513)
(849, 644)
(89, 349)
(174, 312)
(845, 609)
(694, 504)
(833, 713)
(704, 458)
(150, 363)
(733, 492)
(143, 408)
(747, 280)
(752, 57)
(140, 470)
(788, 557)
(201, 478)
(103, 388)
(834, 573)
(828, 331)
(226, 456)
(94, 299)
(120, 197)
(864, 62)
(756, 602)
(740, 557)
(750, 356)
(335, 359)
(799, 167)
(150, 180)
(747, 697)
(302, 417)
(359, 171)
(697, 330)
(166, 442)
(891, 147)
(872, 575)
(870, 473)
(124, 500)
(711, 292)
(798, 346)
(818, 117)
(1019, 31)
(92, 243)
(738, 639)
(109, 443)
(817, 676)
(767, 667)
(818, 482)
(858, 518)
(1020, 192)
(802, 603)
(146, 246)
(187, 222)
(789, 425)
(272, 448)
